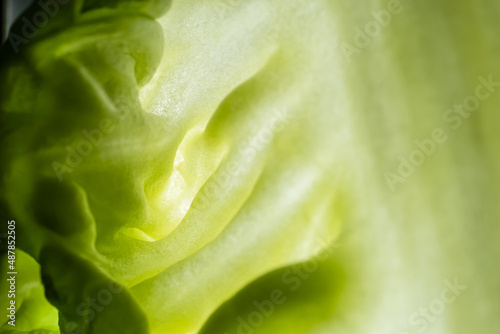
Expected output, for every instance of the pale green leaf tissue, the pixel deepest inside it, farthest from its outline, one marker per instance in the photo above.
(291, 167)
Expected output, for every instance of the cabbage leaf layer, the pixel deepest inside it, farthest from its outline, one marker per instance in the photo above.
(173, 167)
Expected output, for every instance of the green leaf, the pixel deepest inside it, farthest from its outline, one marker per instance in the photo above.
(192, 157)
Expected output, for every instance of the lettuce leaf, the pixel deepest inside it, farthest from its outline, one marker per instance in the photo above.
(173, 168)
